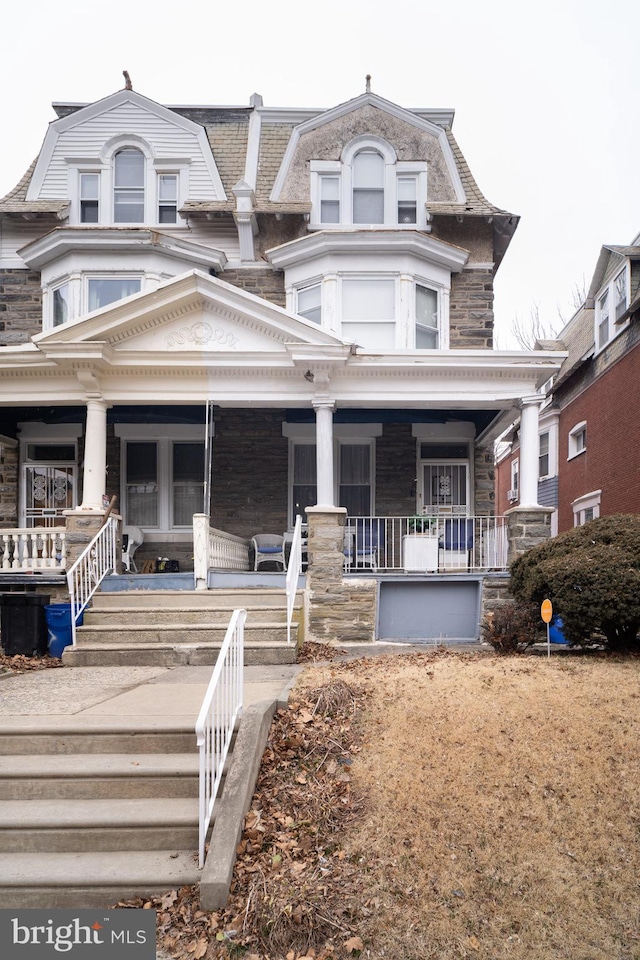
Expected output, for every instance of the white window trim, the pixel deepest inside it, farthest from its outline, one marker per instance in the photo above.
(515, 479)
(304, 434)
(614, 328)
(164, 435)
(545, 476)
(343, 170)
(575, 431)
(105, 167)
(589, 501)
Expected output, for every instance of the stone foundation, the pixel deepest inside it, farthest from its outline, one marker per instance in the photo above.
(338, 610)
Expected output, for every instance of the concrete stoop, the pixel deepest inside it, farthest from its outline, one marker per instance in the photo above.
(181, 627)
(101, 812)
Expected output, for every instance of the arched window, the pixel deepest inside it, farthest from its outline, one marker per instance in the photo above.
(368, 187)
(128, 186)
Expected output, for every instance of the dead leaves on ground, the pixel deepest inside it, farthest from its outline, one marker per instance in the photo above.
(294, 894)
(22, 664)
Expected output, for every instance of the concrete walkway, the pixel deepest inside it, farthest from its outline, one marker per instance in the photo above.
(93, 695)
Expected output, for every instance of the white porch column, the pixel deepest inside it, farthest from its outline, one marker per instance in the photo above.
(95, 456)
(529, 451)
(324, 452)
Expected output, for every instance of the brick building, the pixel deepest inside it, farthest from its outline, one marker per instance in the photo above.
(589, 461)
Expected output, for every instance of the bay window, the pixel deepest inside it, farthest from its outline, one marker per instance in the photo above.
(310, 302)
(369, 310)
(427, 335)
(61, 313)
(102, 291)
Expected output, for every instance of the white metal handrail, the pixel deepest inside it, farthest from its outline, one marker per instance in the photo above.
(294, 569)
(85, 576)
(27, 549)
(221, 707)
(448, 543)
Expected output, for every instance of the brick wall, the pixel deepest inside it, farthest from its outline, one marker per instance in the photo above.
(611, 462)
(20, 306)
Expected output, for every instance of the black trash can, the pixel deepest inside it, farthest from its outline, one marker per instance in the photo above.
(23, 625)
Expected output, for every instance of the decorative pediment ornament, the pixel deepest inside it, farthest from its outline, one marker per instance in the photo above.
(203, 334)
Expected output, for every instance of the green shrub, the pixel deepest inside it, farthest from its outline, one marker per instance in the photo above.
(591, 574)
(512, 627)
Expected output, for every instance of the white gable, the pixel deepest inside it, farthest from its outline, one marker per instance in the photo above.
(84, 135)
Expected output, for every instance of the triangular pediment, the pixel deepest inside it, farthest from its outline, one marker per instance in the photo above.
(190, 313)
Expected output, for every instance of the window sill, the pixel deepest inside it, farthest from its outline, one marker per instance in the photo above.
(572, 456)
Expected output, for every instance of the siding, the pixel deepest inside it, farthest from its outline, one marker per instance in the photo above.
(15, 234)
(87, 139)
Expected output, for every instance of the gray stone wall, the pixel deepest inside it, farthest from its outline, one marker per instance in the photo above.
(338, 610)
(396, 471)
(471, 310)
(250, 472)
(20, 306)
(8, 486)
(268, 284)
(484, 478)
(527, 528)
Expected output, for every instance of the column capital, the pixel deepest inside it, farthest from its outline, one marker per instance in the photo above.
(320, 403)
(531, 401)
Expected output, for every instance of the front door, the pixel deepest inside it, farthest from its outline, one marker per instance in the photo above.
(445, 488)
(48, 491)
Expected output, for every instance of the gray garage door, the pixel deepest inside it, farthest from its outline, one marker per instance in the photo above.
(429, 610)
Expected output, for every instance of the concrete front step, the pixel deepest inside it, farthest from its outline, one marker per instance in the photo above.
(49, 826)
(176, 632)
(76, 880)
(249, 597)
(90, 776)
(20, 736)
(188, 653)
(147, 615)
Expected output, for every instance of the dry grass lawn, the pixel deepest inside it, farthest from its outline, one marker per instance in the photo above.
(503, 806)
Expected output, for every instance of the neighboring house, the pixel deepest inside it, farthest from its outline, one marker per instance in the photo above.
(589, 456)
(322, 279)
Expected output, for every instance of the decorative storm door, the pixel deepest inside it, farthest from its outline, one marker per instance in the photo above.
(445, 488)
(48, 491)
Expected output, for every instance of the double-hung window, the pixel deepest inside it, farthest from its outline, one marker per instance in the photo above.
(61, 311)
(427, 335)
(368, 311)
(89, 198)
(128, 186)
(620, 294)
(611, 305)
(543, 456)
(407, 200)
(309, 303)
(603, 320)
(163, 483)
(353, 477)
(330, 199)
(167, 197)
(577, 440)
(102, 291)
(368, 187)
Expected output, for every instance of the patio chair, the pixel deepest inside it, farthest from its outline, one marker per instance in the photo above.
(268, 548)
(361, 544)
(457, 543)
(132, 538)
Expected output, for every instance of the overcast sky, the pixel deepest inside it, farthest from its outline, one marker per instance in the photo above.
(546, 97)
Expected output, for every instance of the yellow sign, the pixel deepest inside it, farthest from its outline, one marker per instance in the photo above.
(546, 611)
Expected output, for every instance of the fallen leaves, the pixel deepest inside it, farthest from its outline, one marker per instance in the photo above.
(21, 664)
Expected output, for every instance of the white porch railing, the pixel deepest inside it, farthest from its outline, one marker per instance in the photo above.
(425, 544)
(221, 707)
(216, 549)
(26, 549)
(294, 569)
(85, 576)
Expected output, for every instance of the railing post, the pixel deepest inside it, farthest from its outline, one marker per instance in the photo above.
(201, 550)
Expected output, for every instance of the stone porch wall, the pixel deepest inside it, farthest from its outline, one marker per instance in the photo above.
(8, 485)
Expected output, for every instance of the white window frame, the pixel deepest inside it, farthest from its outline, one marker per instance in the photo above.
(154, 166)
(365, 323)
(108, 275)
(304, 287)
(164, 436)
(418, 282)
(607, 326)
(82, 175)
(515, 478)
(547, 454)
(586, 508)
(394, 170)
(577, 440)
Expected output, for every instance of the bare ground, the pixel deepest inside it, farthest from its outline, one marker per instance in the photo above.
(439, 805)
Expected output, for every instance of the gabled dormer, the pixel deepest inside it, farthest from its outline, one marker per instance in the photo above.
(368, 163)
(123, 161)
(615, 284)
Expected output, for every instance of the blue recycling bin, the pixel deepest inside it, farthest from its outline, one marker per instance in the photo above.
(58, 617)
(555, 631)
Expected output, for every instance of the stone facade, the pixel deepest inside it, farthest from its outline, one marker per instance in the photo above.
(338, 609)
(471, 310)
(8, 485)
(266, 283)
(527, 527)
(20, 306)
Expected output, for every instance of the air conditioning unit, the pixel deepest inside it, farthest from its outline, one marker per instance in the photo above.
(512, 494)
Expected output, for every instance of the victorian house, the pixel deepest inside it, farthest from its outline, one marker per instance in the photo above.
(251, 314)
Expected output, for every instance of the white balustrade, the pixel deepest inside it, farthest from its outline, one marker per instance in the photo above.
(27, 549)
